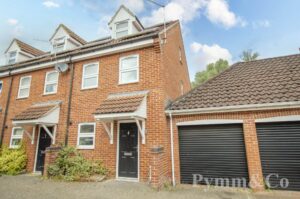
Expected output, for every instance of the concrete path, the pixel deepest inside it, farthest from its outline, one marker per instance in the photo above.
(31, 187)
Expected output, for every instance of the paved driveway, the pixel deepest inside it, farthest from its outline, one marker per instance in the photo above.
(31, 187)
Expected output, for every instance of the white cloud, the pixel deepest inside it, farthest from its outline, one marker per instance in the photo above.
(261, 23)
(218, 12)
(103, 29)
(134, 5)
(184, 10)
(51, 4)
(12, 21)
(204, 54)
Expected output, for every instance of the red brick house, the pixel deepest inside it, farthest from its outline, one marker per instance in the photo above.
(242, 124)
(105, 97)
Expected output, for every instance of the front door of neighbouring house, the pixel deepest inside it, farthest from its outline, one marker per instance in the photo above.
(128, 150)
(44, 142)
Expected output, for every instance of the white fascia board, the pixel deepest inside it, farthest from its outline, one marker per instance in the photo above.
(208, 122)
(251, 107)
(107, 51)
(289, 118)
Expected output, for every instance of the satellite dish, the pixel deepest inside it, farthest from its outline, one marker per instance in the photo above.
(61, 67)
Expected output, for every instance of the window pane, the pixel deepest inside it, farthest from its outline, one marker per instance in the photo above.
(122, 25)
(51, 88)
(87, 129)
(91, 69)
(1, 84)
(12, 54)
(18, 132)
(59, 48)
(25, 81)
(129, 76)
(122, 33)
(130, 62)
(15, 141)
(24, 92)
(87, 141)
(90, 82)
(52, 76)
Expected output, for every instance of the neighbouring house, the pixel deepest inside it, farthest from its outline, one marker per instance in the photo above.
(105, 97)
(242, 124)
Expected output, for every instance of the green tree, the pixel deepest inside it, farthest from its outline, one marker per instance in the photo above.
(211, 71)
(249, 55)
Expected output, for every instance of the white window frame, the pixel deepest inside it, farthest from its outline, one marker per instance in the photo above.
(9, 58)
(50, 83)
(1, 82)
(122, 29)
(180, 55)
(24, 87)
(131, 69)
(80, 135)
(84, 76)
(15, 137)
(57, 44)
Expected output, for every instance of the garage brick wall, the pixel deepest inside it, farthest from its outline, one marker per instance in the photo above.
(250, 136)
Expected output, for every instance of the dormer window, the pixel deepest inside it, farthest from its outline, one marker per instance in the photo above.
(59, 44)
(12, 57)
(121, 29)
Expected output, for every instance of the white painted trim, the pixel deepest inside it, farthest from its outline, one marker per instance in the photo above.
(26, 87)
(87, 135)
(207, 122)
(89, 76)
(109, 131)
(15, 137)
(84, 56)
(137, 69)
(117, 159)
(51, 82)
(49, 133)
(36, 149)
(250, 107)
(289, 118)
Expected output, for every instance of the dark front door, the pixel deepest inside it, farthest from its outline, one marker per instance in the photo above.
(44, 142)
(128, 150)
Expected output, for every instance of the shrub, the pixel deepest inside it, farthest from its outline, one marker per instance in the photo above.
(70, 165)
(13, 161)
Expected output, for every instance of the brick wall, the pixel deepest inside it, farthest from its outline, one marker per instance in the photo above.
(250, 137)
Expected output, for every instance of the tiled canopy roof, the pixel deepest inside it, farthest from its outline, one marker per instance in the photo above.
(29, 49)
(35, 112)
(263, 81)
(124, 104)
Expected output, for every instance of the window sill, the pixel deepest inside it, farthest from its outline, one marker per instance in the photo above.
(85, 148)
(92, 88)
(135, 82)
(22, 98)
(45, 94)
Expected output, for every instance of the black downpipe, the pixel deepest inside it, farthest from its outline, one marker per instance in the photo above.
(69, 104)
(6, 110)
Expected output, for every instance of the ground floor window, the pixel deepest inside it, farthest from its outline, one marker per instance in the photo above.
(16, 137)
(86, 136)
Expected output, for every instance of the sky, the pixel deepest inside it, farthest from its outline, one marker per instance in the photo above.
(212, 29)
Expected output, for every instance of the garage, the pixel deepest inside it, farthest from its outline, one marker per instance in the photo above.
(214, 151)
(279, 145)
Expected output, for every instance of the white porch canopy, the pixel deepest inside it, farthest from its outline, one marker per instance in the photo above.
(43, 114)
(124, 106)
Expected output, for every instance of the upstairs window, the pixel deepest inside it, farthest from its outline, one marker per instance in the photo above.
(90, 75)
(12, 57)
(59, 44)
(180, 55)
(16, 137)
(121, 29)
(24, 87)
(86, 136)
(129, 69)
(51, 82)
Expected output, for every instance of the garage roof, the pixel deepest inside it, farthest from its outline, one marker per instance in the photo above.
(264, 81)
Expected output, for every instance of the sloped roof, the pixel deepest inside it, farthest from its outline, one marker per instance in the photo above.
(150, 32)
(27, 48)
(271, 80)
(34, 112)
(123, 104)
(72, 34)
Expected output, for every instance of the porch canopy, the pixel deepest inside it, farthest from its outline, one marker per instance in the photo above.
(123, 106)
(43, 114)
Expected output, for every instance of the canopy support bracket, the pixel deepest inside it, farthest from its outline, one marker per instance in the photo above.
(49, 133)
(141, 128)
(109, 131)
